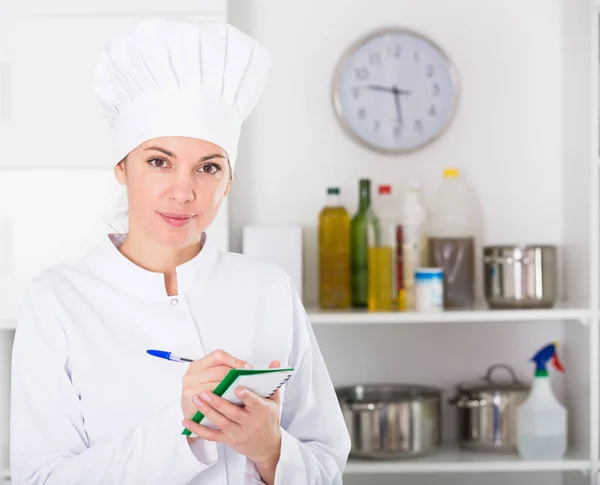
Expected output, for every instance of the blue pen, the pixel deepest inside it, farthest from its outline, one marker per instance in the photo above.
(168, 355)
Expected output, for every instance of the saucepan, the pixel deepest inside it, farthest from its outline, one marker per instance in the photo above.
(391, 421)
(520, 276)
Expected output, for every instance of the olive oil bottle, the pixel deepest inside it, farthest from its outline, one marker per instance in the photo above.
(334, 253)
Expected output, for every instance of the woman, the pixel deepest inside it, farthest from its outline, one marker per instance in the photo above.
(89, 404)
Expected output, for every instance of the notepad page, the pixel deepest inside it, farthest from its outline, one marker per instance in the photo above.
(262, 384)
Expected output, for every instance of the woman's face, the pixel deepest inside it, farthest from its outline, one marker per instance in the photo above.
(175, 186)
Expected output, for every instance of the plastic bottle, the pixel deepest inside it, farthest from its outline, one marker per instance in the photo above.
(363, 223)
(334, 253)
(382, 253)
(452, 230)
(542, 419)
(413, 216)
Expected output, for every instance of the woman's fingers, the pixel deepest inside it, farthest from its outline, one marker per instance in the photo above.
(202, 431)
(230, 411)
(213, 374)
(217, 358)
(215, 409)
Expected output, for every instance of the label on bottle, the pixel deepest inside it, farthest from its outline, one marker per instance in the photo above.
(400, 270)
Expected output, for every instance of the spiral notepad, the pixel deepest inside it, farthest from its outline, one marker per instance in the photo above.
(263, 382)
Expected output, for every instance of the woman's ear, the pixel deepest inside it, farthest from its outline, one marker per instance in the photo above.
(228, 188)
(120, 172)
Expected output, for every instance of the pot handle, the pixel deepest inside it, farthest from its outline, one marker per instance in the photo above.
(492, 368)
(463, 402)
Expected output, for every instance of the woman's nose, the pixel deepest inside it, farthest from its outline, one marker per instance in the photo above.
(182, 189)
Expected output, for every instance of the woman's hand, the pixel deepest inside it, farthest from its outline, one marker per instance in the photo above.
(252, 430)
(205, 374)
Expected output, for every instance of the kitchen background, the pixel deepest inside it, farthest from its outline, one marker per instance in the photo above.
(521, 135)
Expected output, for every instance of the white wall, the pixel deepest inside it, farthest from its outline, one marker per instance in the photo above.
(507, 132)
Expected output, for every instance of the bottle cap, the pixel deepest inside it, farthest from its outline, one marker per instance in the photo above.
(385, 189)
(333, 191)
(450, 172)
(543, 356)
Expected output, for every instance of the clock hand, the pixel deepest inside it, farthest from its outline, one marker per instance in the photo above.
(398, 107)
(397, 91)
(380, 88)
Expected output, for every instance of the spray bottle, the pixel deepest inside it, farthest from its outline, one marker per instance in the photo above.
(542, 419)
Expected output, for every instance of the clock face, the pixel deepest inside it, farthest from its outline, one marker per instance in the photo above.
(395, 91)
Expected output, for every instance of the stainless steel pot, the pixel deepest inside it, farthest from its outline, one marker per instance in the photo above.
(521, 276)
(487, 412)
(391, 420)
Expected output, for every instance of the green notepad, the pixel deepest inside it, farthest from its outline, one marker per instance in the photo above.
(263, 382)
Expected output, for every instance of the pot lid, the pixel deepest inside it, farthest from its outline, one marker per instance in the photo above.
(386, 392)
(492, 383)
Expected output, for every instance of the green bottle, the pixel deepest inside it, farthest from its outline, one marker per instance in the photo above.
(362, 229)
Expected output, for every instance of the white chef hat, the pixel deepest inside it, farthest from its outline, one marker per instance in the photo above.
(179, 78)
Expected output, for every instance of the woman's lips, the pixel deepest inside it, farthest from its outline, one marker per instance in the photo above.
(176, 220)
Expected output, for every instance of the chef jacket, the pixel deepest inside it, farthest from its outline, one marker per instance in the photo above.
(90, 406)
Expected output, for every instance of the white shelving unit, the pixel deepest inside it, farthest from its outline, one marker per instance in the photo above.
(577, 317)
(454, 461)
(480, 314)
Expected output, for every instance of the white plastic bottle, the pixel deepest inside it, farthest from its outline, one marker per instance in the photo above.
(413, 218)
(541, 418)
(452, 229)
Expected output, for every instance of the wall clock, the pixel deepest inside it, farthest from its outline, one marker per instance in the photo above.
(395, 90)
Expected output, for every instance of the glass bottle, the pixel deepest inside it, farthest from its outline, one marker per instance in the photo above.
(363, 227)
(382, 257)
(334, 253)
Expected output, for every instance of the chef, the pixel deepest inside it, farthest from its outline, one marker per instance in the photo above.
(89, 404)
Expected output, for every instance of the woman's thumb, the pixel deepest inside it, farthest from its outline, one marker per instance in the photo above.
(274, 364)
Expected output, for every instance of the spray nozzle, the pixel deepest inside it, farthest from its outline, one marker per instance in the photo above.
(543, 356)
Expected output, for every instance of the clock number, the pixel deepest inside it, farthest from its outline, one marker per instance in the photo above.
(436, 89)
(398, 131)
(361, 73)
(355, 92)
(418, 126)
(376, 125)
(362, 113)
(395, 50)
(429, 70)
(417, 56)
(374, 58)
(432, 110)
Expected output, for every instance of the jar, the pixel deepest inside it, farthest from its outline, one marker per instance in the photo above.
(429, 289)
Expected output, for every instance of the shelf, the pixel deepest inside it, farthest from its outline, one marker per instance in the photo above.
(451, 460)
(8, 324)
(478, 314)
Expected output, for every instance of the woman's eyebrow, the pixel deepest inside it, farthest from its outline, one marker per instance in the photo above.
(163, 150)
(210, 157)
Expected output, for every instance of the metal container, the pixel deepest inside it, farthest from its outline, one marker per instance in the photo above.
(391, 421)
(520, 276)
(487, 412)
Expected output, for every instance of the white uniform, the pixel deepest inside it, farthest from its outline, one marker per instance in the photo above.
(90, 406)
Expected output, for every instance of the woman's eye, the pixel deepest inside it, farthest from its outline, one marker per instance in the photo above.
(210, 168)
(157, 162)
